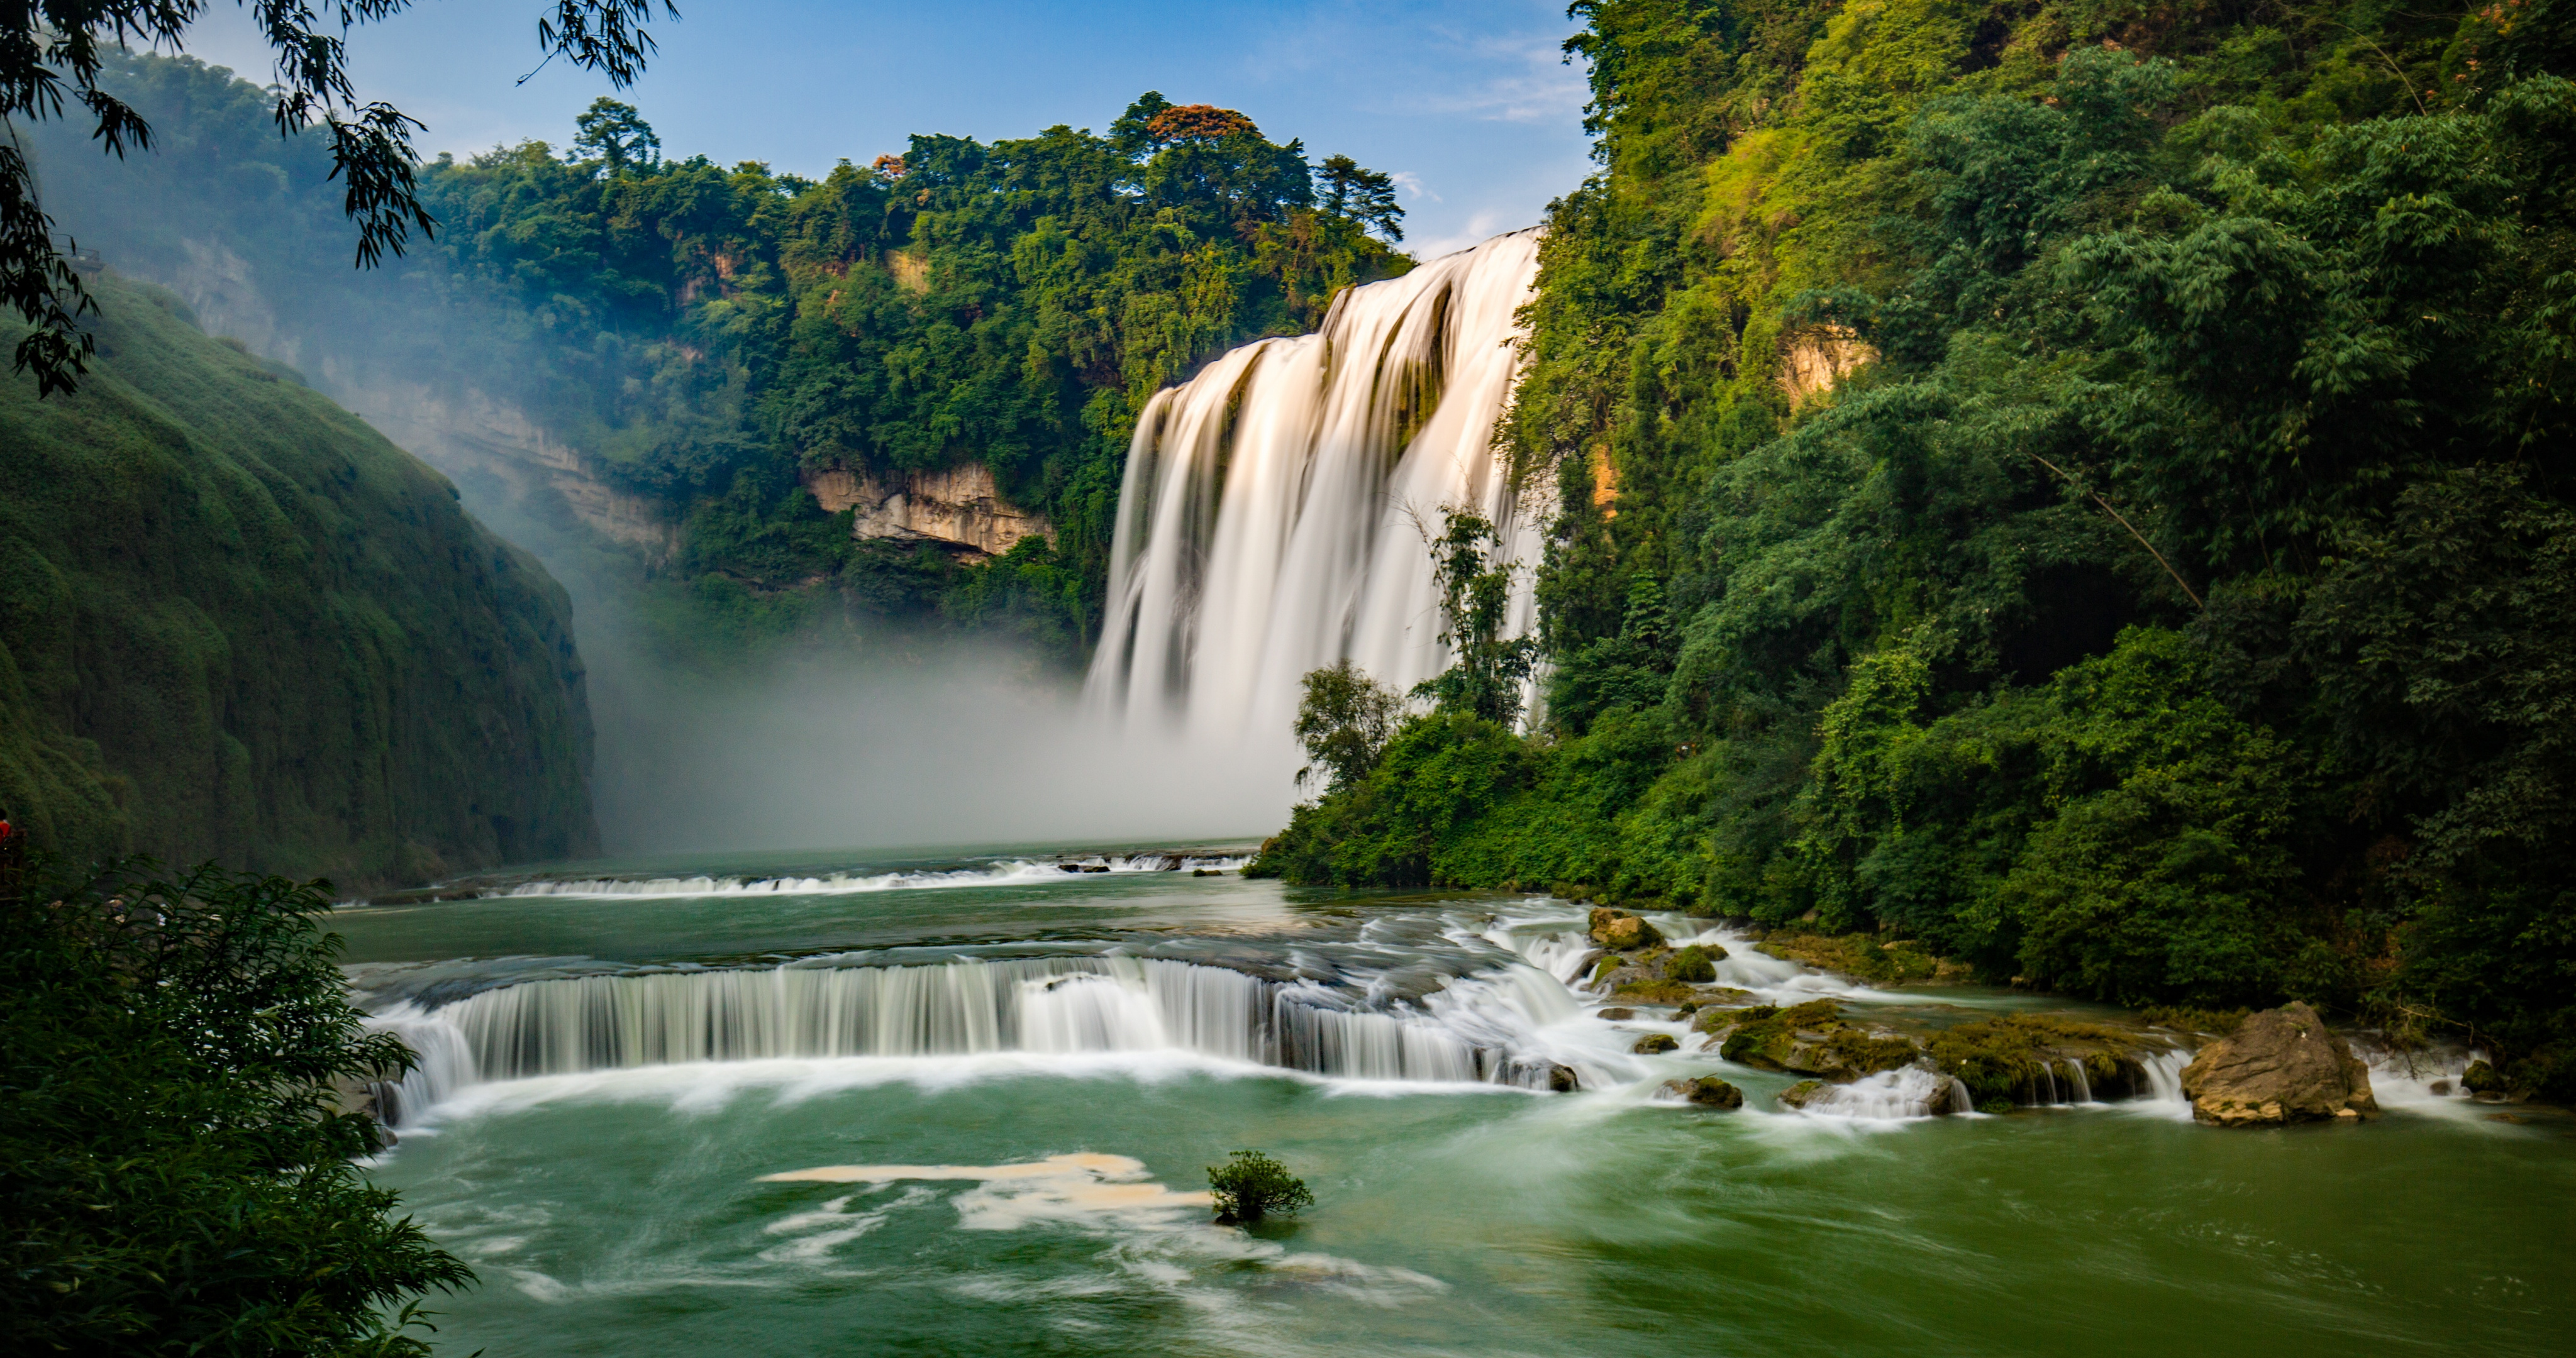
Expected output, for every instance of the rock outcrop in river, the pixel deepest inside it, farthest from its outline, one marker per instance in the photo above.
(2281, 1065)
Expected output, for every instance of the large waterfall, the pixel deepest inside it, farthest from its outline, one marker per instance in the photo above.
(1273, 515)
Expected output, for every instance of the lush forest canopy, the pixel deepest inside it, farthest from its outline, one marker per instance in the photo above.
(2169, 602)
(236, 622)
(709, 336)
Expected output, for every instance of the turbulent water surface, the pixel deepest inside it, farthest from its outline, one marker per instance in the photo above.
(963, 1105)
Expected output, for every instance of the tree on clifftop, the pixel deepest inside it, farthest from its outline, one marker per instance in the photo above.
(1363, 195)
(51, 41)
(616, 135)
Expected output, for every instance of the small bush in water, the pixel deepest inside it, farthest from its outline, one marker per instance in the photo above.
(1250, 1185)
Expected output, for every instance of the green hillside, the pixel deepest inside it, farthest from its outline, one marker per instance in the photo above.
(236, 623)
(2080, 488)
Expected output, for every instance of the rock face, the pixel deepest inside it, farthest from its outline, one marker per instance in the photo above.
(2281, 1065)
(1707, 1091)
(1818, 361)
(958, 508)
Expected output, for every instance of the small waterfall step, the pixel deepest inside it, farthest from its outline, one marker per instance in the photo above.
(1476, 1028)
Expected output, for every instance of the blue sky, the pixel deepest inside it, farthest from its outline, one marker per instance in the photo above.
(1469, 104)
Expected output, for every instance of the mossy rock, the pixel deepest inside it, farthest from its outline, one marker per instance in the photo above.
(1696, 964)
(1706, 1091)
(1655, 992)
(2018, 1056)
(1813, 1039)
(1655, 1044)
(2481, 1078)
(1866, 957)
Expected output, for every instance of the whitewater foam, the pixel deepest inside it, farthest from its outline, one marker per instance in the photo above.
(1018, 871)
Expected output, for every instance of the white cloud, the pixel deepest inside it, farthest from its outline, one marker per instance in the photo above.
(1412, 184)
(1531, 82)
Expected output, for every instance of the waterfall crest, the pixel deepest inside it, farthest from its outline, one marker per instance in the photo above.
(1267, 524)
(1475, 1029)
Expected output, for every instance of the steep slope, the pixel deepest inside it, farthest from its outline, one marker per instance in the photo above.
(235, 622)
(2082, 488)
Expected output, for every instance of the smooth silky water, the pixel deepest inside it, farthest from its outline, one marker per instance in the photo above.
(1083, 1045)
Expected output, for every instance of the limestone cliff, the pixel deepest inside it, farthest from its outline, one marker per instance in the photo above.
(958, 508)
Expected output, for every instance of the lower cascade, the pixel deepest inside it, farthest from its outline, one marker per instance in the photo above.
(1474, 1029)
(1273, 513)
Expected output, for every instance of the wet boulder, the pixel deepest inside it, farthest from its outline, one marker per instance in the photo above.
(1655, 1044)
(1620, 931)
(1562, 1080)
(1707, 1091)
(1658, 975)
(1948, 1098)
(2279, 1066)
(367, 1099)
(1799, 1095)
(1813, 1039)
(1616, 1015)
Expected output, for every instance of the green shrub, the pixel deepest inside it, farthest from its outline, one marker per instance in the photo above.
(1251, 1185)
(175, 1172)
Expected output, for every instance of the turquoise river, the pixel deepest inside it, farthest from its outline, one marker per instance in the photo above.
(963, 1104)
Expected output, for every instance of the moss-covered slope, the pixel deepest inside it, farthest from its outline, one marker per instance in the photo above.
(235, 622)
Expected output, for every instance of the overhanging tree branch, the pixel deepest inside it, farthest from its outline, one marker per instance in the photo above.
(51, 48)
(2081, 489)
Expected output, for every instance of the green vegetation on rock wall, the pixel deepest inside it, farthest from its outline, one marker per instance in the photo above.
(2083, 487)
(237, 623)
(708, 339)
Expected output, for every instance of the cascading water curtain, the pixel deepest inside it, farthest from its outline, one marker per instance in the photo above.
(1055, 1005)
(1275, 507)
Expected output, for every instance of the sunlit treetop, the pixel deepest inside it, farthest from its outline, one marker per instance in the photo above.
(1197, 122)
